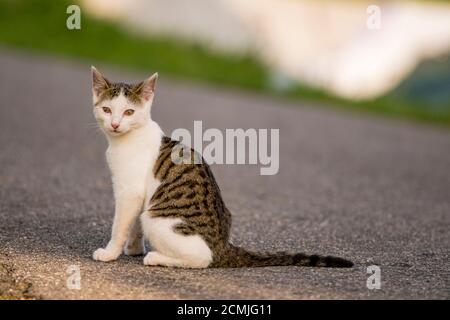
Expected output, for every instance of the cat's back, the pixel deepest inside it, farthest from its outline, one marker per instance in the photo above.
(182, 168)
(188, 190)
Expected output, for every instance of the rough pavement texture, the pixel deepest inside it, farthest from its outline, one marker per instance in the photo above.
(375, 191)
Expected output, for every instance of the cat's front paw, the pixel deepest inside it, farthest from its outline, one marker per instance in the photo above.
(105, 255)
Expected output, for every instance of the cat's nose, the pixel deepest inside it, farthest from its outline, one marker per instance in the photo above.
(115, 125)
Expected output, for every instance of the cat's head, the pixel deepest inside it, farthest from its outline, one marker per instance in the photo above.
(119, 107)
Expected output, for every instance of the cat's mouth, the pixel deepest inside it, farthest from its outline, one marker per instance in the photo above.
(115, 132)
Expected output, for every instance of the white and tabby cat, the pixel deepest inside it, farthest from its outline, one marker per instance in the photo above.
(177, 207)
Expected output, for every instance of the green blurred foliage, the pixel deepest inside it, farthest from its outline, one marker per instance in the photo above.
(40, 25)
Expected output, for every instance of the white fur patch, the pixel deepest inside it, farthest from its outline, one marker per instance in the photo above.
(131, 158)
(185, 251)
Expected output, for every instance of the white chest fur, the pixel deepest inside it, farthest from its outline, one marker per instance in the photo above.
(131, 159)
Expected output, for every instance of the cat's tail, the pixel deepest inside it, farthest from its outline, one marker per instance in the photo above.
(236, 257)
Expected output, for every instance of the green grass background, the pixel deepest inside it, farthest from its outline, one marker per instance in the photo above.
(40, 26)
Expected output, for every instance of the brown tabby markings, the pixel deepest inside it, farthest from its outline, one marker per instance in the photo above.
(190, 192)
(113, 90)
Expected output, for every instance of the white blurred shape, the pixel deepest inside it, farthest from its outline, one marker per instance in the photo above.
(325, 44)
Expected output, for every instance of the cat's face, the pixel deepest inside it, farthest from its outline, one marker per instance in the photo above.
(120, 108)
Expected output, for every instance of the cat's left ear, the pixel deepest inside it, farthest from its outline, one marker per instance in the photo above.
(146, 88)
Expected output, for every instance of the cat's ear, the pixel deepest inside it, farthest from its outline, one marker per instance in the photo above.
(99, 82)
(146, 88)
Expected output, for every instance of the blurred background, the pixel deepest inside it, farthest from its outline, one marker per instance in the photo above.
(391, 59)
(369, 188)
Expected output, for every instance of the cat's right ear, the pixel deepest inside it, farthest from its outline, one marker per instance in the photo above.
(99, 82)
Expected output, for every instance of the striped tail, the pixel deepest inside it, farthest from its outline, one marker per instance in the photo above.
(239, 257)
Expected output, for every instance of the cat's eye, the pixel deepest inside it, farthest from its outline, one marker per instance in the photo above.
(128, 112)
(106, 110)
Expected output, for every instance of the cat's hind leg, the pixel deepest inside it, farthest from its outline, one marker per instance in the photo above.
(135, 244)
(172, 249)
(154, 258)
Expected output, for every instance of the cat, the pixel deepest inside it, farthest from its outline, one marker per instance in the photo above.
(176, 206)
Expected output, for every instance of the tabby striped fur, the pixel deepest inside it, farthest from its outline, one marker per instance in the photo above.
(190, 192)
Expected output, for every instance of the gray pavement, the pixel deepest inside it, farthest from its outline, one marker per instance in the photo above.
(374, 190)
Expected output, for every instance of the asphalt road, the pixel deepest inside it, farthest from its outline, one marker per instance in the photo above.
(373, 190)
